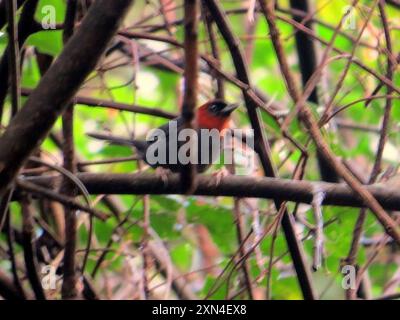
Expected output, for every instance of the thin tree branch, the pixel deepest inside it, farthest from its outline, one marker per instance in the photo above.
(39, 191)
(3, 12)
(307, 118)
(358, 229)
(220, 93)
(307, 58)
(30, 250)
(69, 289)
(188, 172)
(14, 56)
(394, 3)
(11, 253)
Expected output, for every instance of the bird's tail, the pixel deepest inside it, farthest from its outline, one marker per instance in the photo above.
(139, 145)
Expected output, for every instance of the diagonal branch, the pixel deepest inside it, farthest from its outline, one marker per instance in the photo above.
(308, 63)
(262, 146)
(308, 119)
(7, 289)
(58, 86)
(358, 229)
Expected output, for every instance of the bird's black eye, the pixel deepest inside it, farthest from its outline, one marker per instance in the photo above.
(217, 107)
(214, 108)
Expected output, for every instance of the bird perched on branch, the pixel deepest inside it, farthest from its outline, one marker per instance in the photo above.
(167, 146)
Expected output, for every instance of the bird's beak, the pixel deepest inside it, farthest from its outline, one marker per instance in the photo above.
(226, 111)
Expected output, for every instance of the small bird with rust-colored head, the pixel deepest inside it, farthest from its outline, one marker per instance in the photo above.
(215, 114)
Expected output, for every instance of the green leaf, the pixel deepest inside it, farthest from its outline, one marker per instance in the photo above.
(49, 42)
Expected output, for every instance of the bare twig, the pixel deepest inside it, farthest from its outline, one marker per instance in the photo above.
(30, 250)
(394, 3)
(3, 12)
(358, 229)
(220, 94)
(99, 103)
(4, 205)
(308, 119)
(69, 289)
(14, 56)
(55, 196)
(308, 63)
(12, 256)
(26, 26)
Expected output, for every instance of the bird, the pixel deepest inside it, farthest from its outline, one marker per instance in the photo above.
(214, 114)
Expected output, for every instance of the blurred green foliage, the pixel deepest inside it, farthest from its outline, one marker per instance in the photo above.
(147, 86)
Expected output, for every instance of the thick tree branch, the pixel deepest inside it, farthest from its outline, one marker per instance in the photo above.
(58, 86)
(336, 194)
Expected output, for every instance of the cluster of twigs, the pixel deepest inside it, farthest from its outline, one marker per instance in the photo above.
(48, 193)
